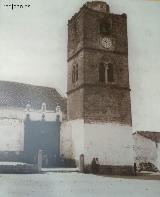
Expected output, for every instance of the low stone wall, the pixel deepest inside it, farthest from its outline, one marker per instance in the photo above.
(117, 170)
(113, 170)
(18, 169)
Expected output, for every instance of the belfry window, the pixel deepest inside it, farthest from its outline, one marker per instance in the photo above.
(102, 73)
(110, 73)
(105, 26)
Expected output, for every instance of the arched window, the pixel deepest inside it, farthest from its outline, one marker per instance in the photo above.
(76, 73)
(110, 73)
(73, 74)
(101, 73)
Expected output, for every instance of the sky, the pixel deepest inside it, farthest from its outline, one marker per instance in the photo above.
(33, 49)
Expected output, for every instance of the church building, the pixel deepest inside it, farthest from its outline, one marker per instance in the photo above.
(99, 122)
(94, 121)
(30, 119)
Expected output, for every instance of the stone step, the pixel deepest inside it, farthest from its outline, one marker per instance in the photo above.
(63, 170)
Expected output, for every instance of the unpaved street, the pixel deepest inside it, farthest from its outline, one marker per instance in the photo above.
(73, 184)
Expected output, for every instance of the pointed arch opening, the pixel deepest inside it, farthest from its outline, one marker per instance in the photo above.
(102, 73)
(110, 73)
(75, 73)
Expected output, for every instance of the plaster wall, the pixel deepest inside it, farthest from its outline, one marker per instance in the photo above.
(37, 115)
(145, 149)
(77, 138)
(158, 156)
(112, 143)
(11, 134)
(66, 140)
(12, 126)
(20, 113)
(72, 139)
(10, 112)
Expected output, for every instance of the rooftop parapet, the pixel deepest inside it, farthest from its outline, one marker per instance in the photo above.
(98, 6)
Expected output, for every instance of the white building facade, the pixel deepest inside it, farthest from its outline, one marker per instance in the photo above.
(147, 149)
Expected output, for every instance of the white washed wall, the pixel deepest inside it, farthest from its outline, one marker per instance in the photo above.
(158, 156)
(77, 138)
(66, 140)
(20, 113)
(145, 149)
(72, 132)
(12, 126)
(37, 115)
(16, 113)
(111, 143)
(11, 134)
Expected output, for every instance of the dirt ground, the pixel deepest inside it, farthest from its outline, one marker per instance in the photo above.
(74, 184)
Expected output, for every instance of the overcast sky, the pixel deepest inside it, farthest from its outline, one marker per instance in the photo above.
(33, 46)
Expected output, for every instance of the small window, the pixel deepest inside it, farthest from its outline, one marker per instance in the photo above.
(73, 74)
(110, 73)
(76, 73)
(101, 73)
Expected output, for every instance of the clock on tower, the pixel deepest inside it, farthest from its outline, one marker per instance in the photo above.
(106, 42)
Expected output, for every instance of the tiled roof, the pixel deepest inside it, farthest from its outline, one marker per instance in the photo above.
(13, 94)
(154, 136)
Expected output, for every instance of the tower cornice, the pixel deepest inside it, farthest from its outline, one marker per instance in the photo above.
(98, 50)
(100, 85)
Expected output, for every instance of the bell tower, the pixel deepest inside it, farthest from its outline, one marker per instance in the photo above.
(98, 83)
(98, 80)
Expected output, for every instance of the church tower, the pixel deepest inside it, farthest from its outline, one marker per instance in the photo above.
(99, 106)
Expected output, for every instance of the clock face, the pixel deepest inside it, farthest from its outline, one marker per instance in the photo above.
(106, 42)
